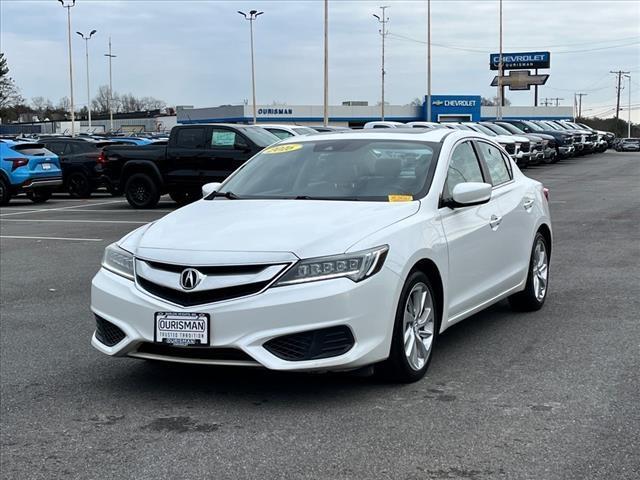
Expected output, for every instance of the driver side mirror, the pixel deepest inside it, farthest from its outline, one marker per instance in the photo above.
(209, 188)
(470, 193)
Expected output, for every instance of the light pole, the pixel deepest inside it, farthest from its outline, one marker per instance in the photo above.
(110, 100)
(68, 6)
(383, 20)
(253, 14)
(325, 121)
(86, 51)
(428, 60)
(500, 72)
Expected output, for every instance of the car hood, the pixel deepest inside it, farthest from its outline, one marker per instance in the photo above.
(263, 230)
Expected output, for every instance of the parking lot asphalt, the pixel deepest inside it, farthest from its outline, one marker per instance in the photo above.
(548, 395)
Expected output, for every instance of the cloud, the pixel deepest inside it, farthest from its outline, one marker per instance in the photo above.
(197, 52)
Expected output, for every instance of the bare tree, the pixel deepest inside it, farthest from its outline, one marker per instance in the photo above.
(9, 93)
(41, 104)
(64, 104)
(100, 102)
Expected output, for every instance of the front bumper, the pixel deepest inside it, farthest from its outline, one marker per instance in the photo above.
(566, 149)
(367, 308)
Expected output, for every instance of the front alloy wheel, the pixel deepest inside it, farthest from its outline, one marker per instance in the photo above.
(414, 333)
(418, 325)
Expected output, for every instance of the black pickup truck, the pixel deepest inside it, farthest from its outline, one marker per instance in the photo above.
(195, 155)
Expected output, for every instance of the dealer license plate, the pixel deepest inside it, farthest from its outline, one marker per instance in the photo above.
(46, 166)
(181, 328)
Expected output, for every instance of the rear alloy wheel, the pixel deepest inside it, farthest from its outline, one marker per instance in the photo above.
(78, 185)
(39, 195)
(414, 333)
(5, 193)
(141, 191)
(535, 292)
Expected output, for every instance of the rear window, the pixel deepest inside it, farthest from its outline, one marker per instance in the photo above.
(31, 149)
(190, 138)
(260, 136)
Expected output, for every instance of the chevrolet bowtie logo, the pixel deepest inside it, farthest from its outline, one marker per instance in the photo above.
(438, 103)
(520, 80)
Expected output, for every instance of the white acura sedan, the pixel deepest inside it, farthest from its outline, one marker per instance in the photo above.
(331, 252)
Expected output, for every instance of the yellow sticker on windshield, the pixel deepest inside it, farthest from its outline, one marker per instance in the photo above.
(290, 147)
(400, 198)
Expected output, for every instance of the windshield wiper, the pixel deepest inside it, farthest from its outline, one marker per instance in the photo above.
(307, 197)
(228, 195)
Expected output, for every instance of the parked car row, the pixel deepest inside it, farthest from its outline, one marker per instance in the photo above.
(528, 141)
(627, 145)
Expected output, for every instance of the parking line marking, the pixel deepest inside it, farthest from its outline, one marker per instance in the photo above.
(20, 237)
(62, 208)
(70, 221)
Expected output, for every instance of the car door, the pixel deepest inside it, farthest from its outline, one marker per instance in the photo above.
(475, 254)
(228, 150)
(186, 155)
(516, 206)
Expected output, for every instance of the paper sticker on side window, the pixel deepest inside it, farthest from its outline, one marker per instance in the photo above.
(284, 148)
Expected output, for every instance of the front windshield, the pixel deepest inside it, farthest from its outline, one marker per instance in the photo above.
(344, 169)
(512, 128)
(498, 129)
(482, 129)
(260, 136)
(533, 126)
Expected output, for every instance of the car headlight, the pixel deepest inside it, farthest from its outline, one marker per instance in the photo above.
(354, 266)
(118, 261)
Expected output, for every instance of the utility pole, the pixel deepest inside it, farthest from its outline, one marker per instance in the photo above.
(253, 14)
(325, 121)
(619, 74)
(500, 73)
(86, 51)
(73, 113)
(111, 56)
(428, 60)
(580, 95)
(628, 75)
(383, 20)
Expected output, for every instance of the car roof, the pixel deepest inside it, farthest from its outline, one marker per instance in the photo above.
(410, 134)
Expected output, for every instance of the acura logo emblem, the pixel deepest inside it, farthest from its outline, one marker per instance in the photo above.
(190, 278)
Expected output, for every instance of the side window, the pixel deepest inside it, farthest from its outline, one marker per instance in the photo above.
(463, 167)
(498, 169)
(190, 138)
(221, 138)
(57, 147)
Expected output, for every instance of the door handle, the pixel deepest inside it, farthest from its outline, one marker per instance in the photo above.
(528, 203)
(495, 222)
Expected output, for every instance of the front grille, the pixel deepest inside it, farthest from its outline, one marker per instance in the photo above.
(524, 147)
(191, 298)
(212, 270)
(194, 353)
(107, 333)
(510, 148)
(312, 345)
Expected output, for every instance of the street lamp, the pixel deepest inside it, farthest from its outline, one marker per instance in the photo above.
(325, 115)
(383, 20)
(68, 6)
(629, 108)
(253, 14)
(86, 51)
(428, 60)
(110, 100)
(500, 72)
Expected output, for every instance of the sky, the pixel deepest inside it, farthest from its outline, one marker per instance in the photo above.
(189, 52)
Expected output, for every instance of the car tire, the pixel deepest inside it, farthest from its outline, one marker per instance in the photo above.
(533, 296)
(78, 185)
(414, 332)
(184, 197)
(5, 193)
(141, 191)
(39, 196)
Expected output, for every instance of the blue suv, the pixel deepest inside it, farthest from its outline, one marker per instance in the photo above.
(29, 168)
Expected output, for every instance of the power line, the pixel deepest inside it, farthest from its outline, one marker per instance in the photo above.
(580, 95)
(619, 74)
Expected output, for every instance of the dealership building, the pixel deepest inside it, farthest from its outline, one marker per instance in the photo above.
(444, 108)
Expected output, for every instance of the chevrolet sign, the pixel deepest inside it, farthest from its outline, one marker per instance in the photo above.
(454, 103)
(520, 80)
(513, 61)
